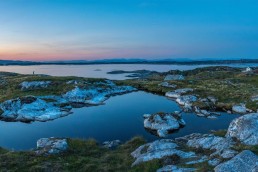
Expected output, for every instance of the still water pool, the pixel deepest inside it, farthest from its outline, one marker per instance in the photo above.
(120, 118)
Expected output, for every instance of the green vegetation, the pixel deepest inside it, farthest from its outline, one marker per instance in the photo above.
(229, 85)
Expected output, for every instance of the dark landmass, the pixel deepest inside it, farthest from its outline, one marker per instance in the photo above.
(129, 61)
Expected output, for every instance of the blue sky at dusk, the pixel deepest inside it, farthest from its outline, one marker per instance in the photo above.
(101, 29)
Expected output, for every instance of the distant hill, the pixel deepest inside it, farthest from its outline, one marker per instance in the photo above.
(128, 61)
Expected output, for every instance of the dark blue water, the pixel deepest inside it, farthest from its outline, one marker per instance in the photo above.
(120, 118)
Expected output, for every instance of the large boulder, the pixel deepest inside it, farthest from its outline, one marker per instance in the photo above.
(245, 161)
(245, 129)
(51, 146)
(157, 150)
(163, 123)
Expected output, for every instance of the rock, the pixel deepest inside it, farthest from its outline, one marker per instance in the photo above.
(111, 144)
(172, 94)
(162, 123)
(30, 108)
(220, 145)
(202, 159)
(254, 98)
(245, 161)
(239, 109)
(157, 150)
(177, 93)
(97, 94)
(186, 99)
(51, 146)
(174, 77)
(212, 99)
(166, 84)
(173, 168)
(183, 90)
(34, 84)
(245, 129)
(214, 162)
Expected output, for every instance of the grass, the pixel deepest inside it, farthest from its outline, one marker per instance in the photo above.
(83, 155)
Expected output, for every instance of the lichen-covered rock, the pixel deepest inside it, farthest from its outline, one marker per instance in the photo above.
(31, 108)
(174, 77)
(25, 85)
(51, 146)
(157, 150)
(162, 123)
(245, 161)
(173, 168)
(239, 109)
(245, 129)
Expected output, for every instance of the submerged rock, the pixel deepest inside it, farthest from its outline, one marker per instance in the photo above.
(245, 129)
(245, 161)
(157, 150)
(174, 77)
(25, 85)
(162, 123)
(31, 108)
(51, 146)
(173, 168)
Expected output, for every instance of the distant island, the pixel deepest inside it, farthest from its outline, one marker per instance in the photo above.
(128, 61)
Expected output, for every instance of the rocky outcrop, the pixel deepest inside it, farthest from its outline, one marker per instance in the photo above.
(245, 161)
(173, 168)
(51, 145)
(96, 95)
(174, 77)
(26, 85)
(157, 150)
(163, 123)
(245, 129)
(30, 108)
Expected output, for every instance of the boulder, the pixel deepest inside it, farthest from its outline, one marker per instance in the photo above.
(172, 94)
(111, 144)
(245, 129)
(166, 84)
(25, 85)
(239, 108)
(163, 123)
(214, 162)
(174, 77)
(245, 161)
(51, 146)
(186, 99)
(157, 150)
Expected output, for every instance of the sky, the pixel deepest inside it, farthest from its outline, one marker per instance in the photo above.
(42, 30)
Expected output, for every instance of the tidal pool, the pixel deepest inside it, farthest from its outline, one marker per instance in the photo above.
(120, 118)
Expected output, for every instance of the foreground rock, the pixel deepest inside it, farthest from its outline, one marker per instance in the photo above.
(163, 123)
(246, 161)
(30, 108)
(51, 145)
(34, 84)
(245, 129)
(157, 150)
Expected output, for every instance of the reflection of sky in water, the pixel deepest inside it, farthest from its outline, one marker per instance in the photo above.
(120, 118)
(99, 71)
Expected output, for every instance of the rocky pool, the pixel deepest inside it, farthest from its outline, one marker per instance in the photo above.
(120, 118)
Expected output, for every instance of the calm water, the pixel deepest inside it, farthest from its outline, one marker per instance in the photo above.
(120, 118)
(100, 71)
